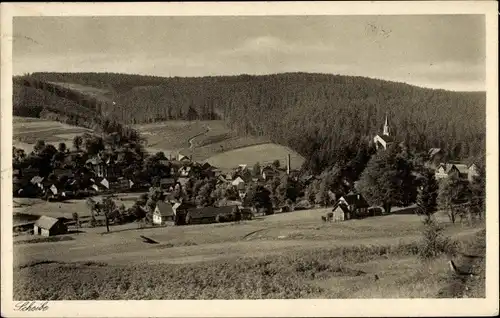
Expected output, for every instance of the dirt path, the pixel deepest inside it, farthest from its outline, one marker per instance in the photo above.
(190, 140)
(473, 261)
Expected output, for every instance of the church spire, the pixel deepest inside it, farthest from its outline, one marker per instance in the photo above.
(386, 126)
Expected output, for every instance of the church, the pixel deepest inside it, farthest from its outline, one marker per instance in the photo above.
(384, 140)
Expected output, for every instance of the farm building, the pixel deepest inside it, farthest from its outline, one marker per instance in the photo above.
(341, 213)
(355, 204)
(163, 214)
(48, 226)
(473, 172)
(208, 214)
(180, 211)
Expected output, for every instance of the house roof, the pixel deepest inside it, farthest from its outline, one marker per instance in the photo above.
(165, 208)
(356, 199)
(433, 151)
(36, 179)
(206, 165)
(237, 181)
(210, 211)
(46, 222)
(183, 181)
(386, 138)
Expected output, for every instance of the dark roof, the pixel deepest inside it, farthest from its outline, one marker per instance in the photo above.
(356, 199)
(46, 222)
(165, 208)
(206, 165)
(208, 212)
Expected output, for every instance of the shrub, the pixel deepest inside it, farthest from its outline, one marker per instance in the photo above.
(434, 243)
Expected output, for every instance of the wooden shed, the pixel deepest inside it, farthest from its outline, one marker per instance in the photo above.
(48, 226)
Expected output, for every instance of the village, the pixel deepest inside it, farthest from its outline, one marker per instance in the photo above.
(178, 191)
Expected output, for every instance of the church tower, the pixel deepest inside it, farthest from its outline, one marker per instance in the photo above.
(386, 127)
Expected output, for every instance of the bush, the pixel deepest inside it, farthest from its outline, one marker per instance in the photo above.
(434, 243)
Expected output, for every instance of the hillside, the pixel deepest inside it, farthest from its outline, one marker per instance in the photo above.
(322, 117)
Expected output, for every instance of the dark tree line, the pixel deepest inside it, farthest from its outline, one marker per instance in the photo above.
(323, 117)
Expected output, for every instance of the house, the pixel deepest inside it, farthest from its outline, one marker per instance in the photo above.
(48, 226)
(446, 170)
(105, 183)
(241, 190)
(237, 181)
(208, 214)
(181, 157)
(182, 181)
(120, 184)
(473, 172)
(384, 140)
(180, 212)
(163, 214)
(435, 155)
(185, 171)
(167, 183)
(221, 180)
(340, 213)
(269, 172)
(37, 181)
(53, 189)
(355, 203)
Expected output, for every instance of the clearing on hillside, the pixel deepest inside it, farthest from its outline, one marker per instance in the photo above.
(263, 153)
(27, 131)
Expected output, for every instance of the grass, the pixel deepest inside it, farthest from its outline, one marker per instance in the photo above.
(246, 260)
(341, 272)
(262, 153)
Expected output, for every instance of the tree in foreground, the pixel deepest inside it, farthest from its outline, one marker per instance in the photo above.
(427, 195)
(452, 196)
(387, 179)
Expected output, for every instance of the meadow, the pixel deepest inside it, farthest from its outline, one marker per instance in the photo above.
(27, 131)
(287, 255)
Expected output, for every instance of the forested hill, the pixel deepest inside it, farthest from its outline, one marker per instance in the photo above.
(316, 114)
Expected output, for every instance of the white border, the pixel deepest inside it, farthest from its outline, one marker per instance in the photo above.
(257, 308)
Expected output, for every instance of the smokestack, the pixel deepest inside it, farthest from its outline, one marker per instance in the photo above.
(288, 164)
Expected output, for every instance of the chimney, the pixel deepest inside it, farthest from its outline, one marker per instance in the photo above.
(288, 164)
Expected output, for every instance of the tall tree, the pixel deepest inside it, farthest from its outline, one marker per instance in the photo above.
(387, 179)
(452, 196)
(427, 195)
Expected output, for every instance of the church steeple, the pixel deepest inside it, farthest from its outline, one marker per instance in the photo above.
(386, 126)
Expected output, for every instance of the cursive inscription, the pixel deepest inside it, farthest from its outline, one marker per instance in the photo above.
(31, 306)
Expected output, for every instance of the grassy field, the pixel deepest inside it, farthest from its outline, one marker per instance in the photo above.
(26, 132)
(262, 153)
(287, 255)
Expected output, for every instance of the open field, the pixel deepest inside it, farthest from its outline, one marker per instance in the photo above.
(263, 153)
(286, 255)
(26, 132)
(90, 91)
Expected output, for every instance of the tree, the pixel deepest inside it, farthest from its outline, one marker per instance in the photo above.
(427, 195)
(39, 146)
(76, 219)
(452, 195)
(61, 147)
(108, 207)
(477, 190)
(77, 142)
(256, 169)
(387, 179)
(276, 163)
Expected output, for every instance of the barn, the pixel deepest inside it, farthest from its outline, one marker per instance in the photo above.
(163, 214)
(48, 226)
(208, 214)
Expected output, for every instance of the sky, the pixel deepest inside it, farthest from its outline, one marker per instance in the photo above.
(437, 51)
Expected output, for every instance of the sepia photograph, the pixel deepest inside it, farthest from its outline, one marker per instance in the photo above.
(223, 155)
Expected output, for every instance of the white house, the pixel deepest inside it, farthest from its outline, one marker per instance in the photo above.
(237, 181)
(163, 214)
